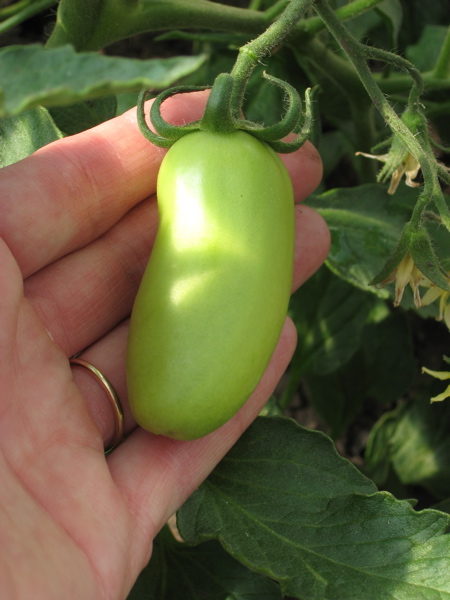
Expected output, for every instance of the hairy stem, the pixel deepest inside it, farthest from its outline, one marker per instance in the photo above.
(314, 25)
(94, 24)
(414, 144)
(252, 53)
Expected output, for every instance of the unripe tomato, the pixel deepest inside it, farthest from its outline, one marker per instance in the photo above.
(214, 296)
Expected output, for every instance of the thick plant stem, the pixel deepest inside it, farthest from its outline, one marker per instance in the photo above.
(252, 53)
(110, 21)
(94, 24)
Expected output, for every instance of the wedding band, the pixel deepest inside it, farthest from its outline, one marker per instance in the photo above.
(112, 396)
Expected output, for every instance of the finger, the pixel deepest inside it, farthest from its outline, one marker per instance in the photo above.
(305, 169)
(157, 474)
(68, 193)
(312, 244)
(85, 294)
(108, 354)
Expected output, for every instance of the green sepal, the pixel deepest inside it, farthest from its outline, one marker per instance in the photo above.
(395, 158)
(305, 132)
(218, 116)
(290, 119)
(152, 137)
(164, 129)
(426, 259)
(166, 135)
(416, 242)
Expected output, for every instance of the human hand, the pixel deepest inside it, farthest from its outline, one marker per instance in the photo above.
(78, 219)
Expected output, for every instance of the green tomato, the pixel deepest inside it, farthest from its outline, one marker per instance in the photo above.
(214, 296)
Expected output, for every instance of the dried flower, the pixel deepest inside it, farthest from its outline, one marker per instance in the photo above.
(406, 272)
(397, 166)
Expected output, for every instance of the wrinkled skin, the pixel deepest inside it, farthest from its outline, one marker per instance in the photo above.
(76, 228)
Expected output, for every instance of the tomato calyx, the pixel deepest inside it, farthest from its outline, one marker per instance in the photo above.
(219, 116)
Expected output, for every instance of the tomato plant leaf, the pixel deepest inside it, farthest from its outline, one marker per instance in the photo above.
(329, 316)
(377, 457)
(21, 135)
(380, 371)
(365, 225)
(179, 571)
(419, 446)
(62, 77)
(302, 515)
(425, 53)
(392, 12)
(84, 115)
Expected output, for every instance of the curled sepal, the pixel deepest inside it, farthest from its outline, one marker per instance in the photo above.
(166, 134)
(290, 120)
(305, 132)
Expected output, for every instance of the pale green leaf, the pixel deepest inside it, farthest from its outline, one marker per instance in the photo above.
(60, 76)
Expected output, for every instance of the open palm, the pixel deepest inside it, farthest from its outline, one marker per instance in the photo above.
(77, 221)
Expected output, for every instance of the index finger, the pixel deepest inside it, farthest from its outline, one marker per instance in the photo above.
(70, 192)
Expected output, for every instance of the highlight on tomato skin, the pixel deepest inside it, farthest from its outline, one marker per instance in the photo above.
(215, 293)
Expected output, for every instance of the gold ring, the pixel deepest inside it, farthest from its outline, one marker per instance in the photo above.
(112, 396)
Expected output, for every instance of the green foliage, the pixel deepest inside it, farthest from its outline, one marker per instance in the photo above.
(306, 518)
(62, 76)
(22, 135)
(283, 514)
(206, 571)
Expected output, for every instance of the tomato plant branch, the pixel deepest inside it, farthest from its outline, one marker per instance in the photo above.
(12, 9)
(417, 145)
(252, 53)
(314, 25)
(111, 21)
(20, 12)
(402, 83)
(99, 23)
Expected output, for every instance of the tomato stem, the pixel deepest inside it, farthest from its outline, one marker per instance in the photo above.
(253, 53)
(224, 107)
(217, 116)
